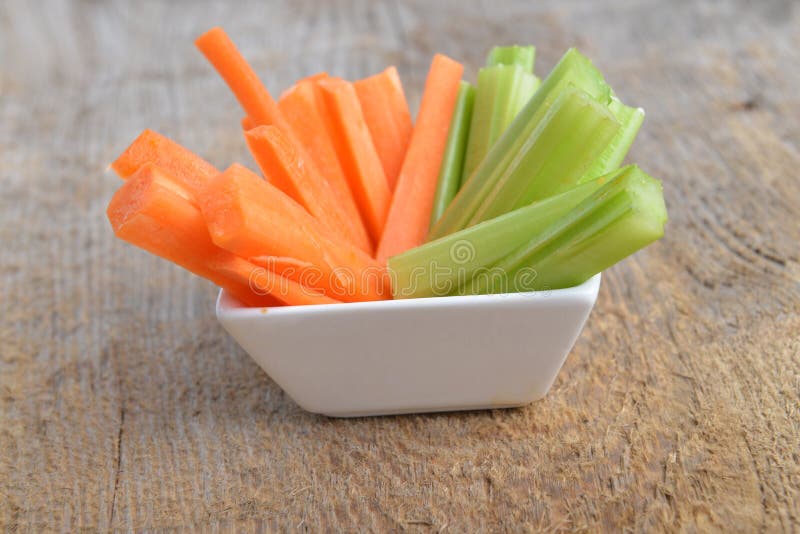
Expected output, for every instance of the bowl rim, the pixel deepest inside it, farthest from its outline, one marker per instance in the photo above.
(229, 307)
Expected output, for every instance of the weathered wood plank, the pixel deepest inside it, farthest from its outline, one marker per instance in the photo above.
(123, 405)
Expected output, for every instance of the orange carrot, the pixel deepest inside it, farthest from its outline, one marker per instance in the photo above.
(409, 216)
(356, 153)
(188, 169)
(282, 166)
(282, 265)
(149, 212)
(248, 123)
(264, 281)
(226, 205)
(240, 76)
(317, 196)
(251, 218)
(301, 109)
(388, 119)
(313, 78)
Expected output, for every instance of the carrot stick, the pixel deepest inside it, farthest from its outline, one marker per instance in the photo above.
(220, 51)
(252, 218)
(147, 212)
(227, 209)
(282, 265)
(279, 161)
(356, 152)
(264, 281)
(301, 109)
(388, 119)
(313, 78)
(188, 169)
(248, 123)
(409, 215)
(290, 267)
(317, 196)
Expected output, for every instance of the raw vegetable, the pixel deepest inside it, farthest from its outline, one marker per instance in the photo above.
(504, 86)
(558, 242)
(301, 108)
(312, 78)
(453, 159)
(438, 267)
(573, 71)
(281, 165)
(410, 212)
(151, 212)
(231, 204)
(317, 197)
(573, 133)
(521, 56)
(626, 214)
(187, 168)
(248, 123)
(254, 98)
(356, 153)
(611, 158)
(388, 119)
(516, 189)
(251, 218)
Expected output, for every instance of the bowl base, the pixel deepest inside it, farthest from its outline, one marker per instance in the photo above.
(410, 411)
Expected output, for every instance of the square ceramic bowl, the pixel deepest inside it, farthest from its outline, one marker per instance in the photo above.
(417, 355)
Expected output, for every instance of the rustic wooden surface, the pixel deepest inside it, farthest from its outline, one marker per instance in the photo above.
(123, 404)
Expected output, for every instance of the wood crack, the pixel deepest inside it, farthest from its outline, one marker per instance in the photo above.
(118, 466)
(756, 250)
(116, 362)
(757, 471)
(767, 256)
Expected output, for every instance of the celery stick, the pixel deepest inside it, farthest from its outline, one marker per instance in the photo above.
(525, 88)
(439, 267)
(522, 86)
(516, 87)
(453, 159)
(575, 131)
(612, 157)
(480, 129)
(573, 69)
(501, 92)
(522, 56)
(624, 215)
(503, 88)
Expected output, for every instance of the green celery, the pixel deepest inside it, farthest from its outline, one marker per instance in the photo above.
(624, 215)
(575, 131)
(573, 69)
(631, 120)
(453, 158)
(522, 56)
(503, 88)
(521, 86)
(439, 267)
(480, 129)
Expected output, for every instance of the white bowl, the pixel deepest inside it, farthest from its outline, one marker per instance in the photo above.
(416, 355)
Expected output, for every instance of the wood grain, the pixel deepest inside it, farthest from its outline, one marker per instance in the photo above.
(123, 404)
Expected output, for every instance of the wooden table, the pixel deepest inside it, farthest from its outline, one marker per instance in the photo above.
(123, 404)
